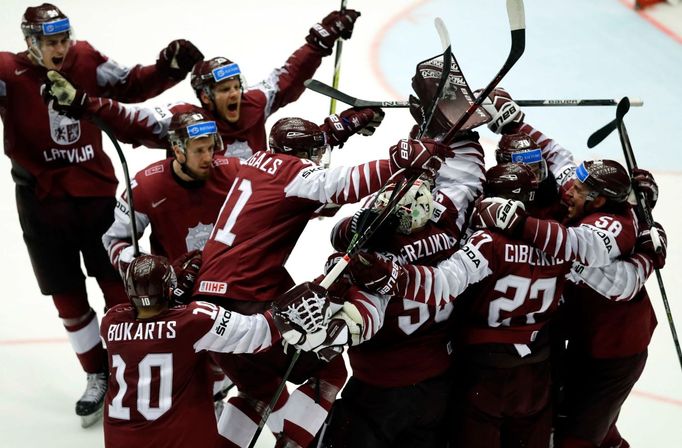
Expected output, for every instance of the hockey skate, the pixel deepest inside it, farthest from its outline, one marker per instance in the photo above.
(91, 404)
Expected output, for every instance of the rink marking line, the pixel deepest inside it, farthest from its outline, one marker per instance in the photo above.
(656, 397)
(636, 392)
(657, 24)
(379, 39)
(33, 341)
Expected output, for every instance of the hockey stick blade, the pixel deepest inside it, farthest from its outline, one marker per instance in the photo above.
(331, 92)
(517, 24)
(442, 32)
(600, 134)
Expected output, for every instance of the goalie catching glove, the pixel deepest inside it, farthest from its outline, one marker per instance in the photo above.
(363, 121)
(302, 314)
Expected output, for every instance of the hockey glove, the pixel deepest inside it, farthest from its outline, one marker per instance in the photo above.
(302, 314)
(186, 269)
(363, 121)
(337, 24)
(378, 275)
(645, 246)
(644, 181)
(506, 114)
(506, 215)
(418, 156)
(65, 98)
(178, 58)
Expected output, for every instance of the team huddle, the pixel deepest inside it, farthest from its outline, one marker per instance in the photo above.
(484, 308)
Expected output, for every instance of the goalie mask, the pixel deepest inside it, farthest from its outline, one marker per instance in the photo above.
(298, 137)
(455, 100)
(43, 21)
(414, 210)
(522, 148)
(149, 281)
(511, 181)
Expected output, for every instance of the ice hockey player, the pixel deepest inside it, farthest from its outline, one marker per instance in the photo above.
(600, 352)
(240, 111)
(194, 182)
(65, 182)
(158, 353)
(501, 393)
(265, 212)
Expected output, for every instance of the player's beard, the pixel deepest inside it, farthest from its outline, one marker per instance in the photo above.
(203, 176)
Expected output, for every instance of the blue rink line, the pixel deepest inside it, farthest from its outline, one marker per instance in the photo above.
(576, 49)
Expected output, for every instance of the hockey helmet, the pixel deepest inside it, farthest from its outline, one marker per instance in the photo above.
(522, 148)
(150, 281)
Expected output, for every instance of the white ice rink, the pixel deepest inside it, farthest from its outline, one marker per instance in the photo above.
(575, 49)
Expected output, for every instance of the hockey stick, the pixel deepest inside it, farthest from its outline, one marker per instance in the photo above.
(358, 240)
(517, 23)
(129, 191)
(645, 212)
(327, 90)
(337, 65)
(600, 134)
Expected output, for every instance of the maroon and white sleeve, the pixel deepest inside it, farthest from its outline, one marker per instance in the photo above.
(587, 244)
(559, 159)
(366, 311)
(619, 281)
(459, 181)
(128, 84)
(442, 284)
(285, 84)
(340, 185)
(134, 124)
(232, 332)
(119, 235)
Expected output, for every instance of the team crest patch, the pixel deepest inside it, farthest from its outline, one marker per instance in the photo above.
(64, 130)
(156, 169)
(239, 149)
(197, 236)
(209, 287)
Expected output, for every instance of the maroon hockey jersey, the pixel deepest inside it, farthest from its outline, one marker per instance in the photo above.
(181, 214)
(266, 209)
(159, 391)
(149, 126)
(593, 321)
(59, 155)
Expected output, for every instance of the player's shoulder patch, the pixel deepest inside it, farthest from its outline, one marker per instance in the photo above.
(220, 161)
(154, 169)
